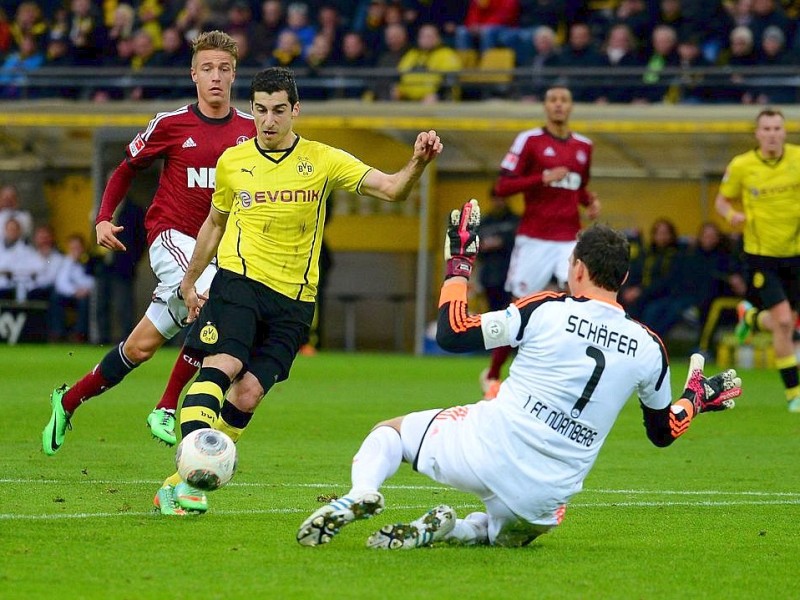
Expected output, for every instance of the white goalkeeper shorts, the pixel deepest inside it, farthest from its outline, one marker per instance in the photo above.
(169, 257)
(436, 443)
(535, 262)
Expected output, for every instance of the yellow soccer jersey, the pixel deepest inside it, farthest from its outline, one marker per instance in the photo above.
(276, 210)
(770, 193)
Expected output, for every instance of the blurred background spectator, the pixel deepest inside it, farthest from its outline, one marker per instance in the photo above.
(69, 308)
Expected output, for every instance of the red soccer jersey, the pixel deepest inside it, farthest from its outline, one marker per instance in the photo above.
(190, 144)
(551, 211)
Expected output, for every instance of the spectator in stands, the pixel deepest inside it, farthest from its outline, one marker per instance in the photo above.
(148, 16)
(635, 15)
(546, 55)
(664, 55)
(497, 231)
(773, 54)
(741, 53)
(660, 271)
(670, 13)
(692, 90)
(555, 14)
(288, 51)
(318, 57)
(57, 55)
(239, 18)
(485, 23)
(115, 275)
(395, 38)
(6, 38)
(703, 273)
(123, 21)
(73, 288)
(299, 23)
(620, 50)
(17, 65)
(329, 24)
(50, 259)
(265, 36)
(370, 20)
(446, 15)
(421, 68)
(18, 263)
(193, 19)
(87, 33)
(28, 20)
(10, 209)
(354, 56)
(580, 52)
(174, 53)
(246, 60)
(766, 14)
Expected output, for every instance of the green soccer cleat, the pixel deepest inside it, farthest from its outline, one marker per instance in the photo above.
(162, 425)
(431, 527)
(56, 428)
(164, 502)
(743, 312)
(326, 522)
(190, 499)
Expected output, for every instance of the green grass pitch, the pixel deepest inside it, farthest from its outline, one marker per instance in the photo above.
(713, 516)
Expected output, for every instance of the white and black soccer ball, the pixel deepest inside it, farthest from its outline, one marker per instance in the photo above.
(206, 459)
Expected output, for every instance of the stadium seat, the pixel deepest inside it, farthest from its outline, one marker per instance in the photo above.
(493, 73)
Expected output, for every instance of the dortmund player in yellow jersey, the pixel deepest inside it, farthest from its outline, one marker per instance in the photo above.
(767, 182)
(265, 227)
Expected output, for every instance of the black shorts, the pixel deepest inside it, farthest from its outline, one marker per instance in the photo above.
(772, 280)
(256, 324)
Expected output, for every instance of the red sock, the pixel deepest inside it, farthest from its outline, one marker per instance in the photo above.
(92, 384)
(187, 364)
(499, 356)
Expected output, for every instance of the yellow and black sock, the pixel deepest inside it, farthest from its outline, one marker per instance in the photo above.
(787, 367)
(232, 421)
(202, 402)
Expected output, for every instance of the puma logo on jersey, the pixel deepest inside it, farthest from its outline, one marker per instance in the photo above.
(249, 171)
(189, 143)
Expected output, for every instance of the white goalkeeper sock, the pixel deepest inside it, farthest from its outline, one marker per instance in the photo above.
(471, 530)
(377, 459)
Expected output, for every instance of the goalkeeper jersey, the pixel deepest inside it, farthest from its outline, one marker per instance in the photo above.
(276, 206)
(578, 362)
(770, 193)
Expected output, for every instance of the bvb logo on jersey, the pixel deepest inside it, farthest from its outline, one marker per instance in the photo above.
(758, 279)
(304, 166)
(209, 334)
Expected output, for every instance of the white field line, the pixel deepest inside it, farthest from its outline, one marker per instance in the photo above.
(343, 486)
(739, 498)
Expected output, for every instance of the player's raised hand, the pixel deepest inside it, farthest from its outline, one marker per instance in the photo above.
(461, 241)
(712, 393)
(107, 236)
(427, 146)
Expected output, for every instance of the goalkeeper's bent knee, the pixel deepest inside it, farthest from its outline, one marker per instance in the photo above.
(202, 403)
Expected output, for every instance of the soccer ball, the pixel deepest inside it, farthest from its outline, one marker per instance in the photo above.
(206, 459)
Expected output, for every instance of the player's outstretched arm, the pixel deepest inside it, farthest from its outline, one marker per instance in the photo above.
(700, 394)
(457, 330)
(396, 187)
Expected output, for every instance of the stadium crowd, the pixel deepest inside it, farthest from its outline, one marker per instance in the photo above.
(657, 48)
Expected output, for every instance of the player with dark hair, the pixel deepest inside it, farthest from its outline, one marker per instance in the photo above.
(189, 140)
(526, 453)
(767, 182)
(265, 228)
(551, 166)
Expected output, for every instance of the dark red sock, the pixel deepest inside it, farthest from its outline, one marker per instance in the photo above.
(92, 384)
(189, 360)
(114, 367)
(499, 356)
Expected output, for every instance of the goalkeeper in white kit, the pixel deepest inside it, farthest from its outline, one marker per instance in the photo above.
(526, 453)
